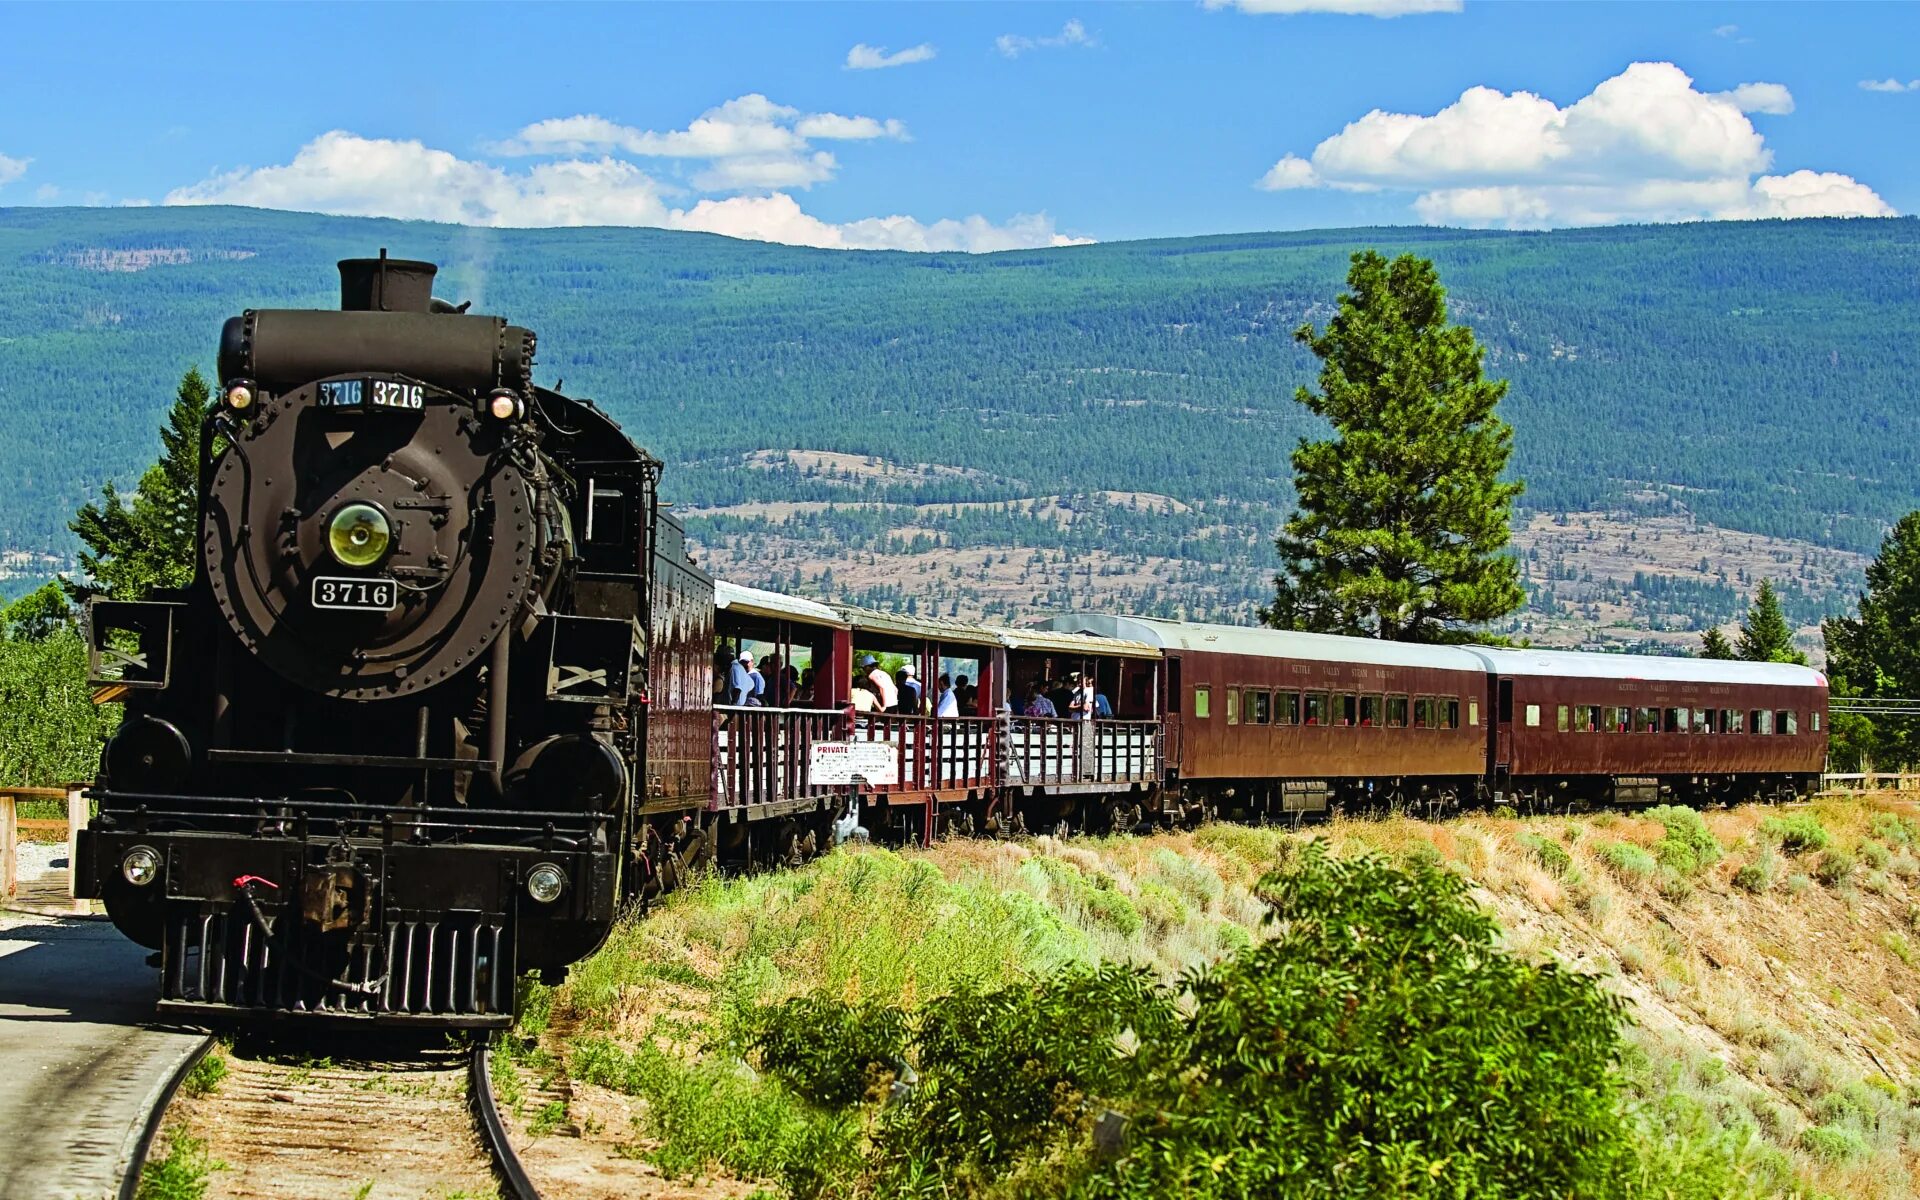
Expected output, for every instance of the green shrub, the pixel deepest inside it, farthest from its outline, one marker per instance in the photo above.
(829, 1052)
(1835, 867)
(1688, 846)
(1875, 855)
(1798, 883)
(1797, 832)
(183, 1174)
(1631, 863)
(1832, 1143)
(207, 1073)
(1552, 856)
(1893, 829)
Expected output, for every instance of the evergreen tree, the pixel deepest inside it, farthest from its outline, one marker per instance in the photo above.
(1402, 515)
(1714, 644)
(1765, 635)
(133, 549)
(1876, 655)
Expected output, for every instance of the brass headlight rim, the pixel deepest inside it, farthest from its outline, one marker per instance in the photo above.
(386, 533)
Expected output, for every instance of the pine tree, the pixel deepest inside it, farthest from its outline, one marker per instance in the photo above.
(1876, 655)
(1402, 515)
(1765, 635)
(133, 549)
(1714, 644)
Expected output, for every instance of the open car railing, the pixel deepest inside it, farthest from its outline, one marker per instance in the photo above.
(1044, 751)
(762, 752)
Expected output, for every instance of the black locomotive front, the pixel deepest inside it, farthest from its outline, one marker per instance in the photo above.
(375, 761)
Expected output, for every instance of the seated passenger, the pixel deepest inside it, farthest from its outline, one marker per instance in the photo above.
(1101, 709)
(740, 679)
(803, 696)
(864, 701)
(910, 692)
(1038, 704)
(963, 694)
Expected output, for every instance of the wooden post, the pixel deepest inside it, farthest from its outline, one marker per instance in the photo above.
(76, 818)
(9, 848)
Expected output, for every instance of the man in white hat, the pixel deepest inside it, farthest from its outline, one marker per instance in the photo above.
(740, 679)
(910, 691)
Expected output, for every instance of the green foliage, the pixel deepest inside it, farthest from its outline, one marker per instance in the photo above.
(38, 615)
(1835, 867)
(1796, 832)
(830, 1052)
(1688, 846)
(135, 549)
(1894, 829)
(1402, 516)
(1765, 635)
(1714, 644)
(208, 1073)
(50, 729)
(1551, 855)
(1631, 863)
(1832, 1143)
(1758, 875)
(1877, 653)
(184, 1173)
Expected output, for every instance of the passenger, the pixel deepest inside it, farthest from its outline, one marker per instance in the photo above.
(759, 697)
(1101, 709)
(803, 696)
(963, 694)
(1038, 703)
(882, 683)
(1059, 694)
(771, 674)
(948, 705)
(740, 679)
(864, 700)
(1080, 698)
(910, 692)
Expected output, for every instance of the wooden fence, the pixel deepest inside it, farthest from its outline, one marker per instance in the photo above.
(12, 824)
(1870, 781)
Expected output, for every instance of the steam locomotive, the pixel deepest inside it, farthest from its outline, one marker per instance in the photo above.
(435, 703)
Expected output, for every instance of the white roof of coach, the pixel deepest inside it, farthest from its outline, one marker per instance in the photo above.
(1269, 643)
(1573, 663)
(773, 604)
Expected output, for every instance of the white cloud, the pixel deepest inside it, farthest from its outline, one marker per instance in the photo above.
(1890, 85)
(46, 193)
(1645, 145)
(751, 142)
(875, 58)
(12, 169)
(1725, 31)
(1073, 33)
(344, 173)
(1771, 98)
(1352, 8)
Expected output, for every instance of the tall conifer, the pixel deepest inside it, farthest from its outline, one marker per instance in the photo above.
(134, 548)
(1765, 635)
(1402, 515)
(1876, 655)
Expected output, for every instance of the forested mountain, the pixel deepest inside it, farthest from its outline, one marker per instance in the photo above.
(1756, 375)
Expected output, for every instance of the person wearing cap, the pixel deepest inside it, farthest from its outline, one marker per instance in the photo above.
(910, 691)
(883, 684)
(740, 679)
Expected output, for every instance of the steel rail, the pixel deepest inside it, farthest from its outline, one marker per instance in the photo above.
(137, 1161)
(514, 1182)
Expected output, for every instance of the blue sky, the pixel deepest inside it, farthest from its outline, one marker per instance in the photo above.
(1010, 125)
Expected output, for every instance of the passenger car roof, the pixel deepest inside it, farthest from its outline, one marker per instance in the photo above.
(1268, 643)
(1034, 638)
(736, 598)
(1577, 664)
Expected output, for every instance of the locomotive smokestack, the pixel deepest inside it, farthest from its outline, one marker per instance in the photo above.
(386, 284)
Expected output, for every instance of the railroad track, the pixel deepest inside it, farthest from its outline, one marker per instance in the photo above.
(289, 1125)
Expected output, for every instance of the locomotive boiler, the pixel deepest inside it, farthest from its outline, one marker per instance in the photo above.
(431, 708)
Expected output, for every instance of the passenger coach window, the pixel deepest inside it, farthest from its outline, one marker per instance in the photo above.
(1473, 713)
(1233, 705)
(1560, 719)
(1703, 720)
(1586, 718)
(1814, 716)
(1202, 701)
(1763, 720)
(1396, 712)
(1422, 712)
(1616, 718)
(1346, 710)
(1787, 721)
(1316, 708)
(1732, 720)
(1676, 720)
(1259, 708)
(1533, 716)
(1450, 712)
(1371, 710)
(1646, 720)
(1288, 704)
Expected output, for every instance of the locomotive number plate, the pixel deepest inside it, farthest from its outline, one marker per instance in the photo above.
(379, 393)
(366, 595)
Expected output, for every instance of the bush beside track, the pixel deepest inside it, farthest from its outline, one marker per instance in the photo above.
(756, 1027)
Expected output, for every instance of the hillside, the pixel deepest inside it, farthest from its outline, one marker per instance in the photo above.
(1767, 957)
(1752, 376)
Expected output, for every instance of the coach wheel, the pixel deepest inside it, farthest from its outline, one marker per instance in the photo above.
(959, 823)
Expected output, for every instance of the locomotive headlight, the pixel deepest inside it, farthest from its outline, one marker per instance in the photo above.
(239, 396)
(359, 535)
(545, 883)
(141, 866)
(504, 405)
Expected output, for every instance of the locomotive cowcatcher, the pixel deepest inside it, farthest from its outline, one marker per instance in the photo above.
(435, 702)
